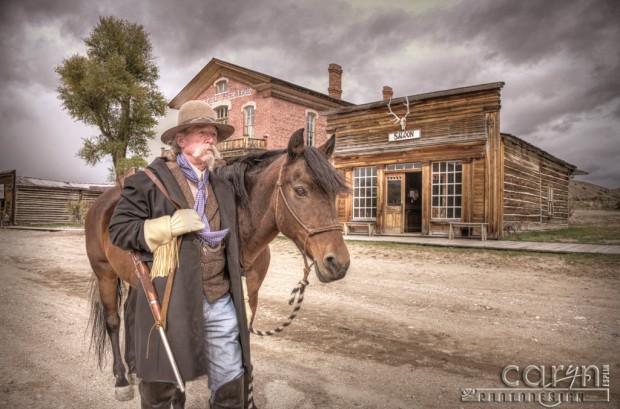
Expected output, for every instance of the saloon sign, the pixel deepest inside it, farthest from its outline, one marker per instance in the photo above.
(403, 135)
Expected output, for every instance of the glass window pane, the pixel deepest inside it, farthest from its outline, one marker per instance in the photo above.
(364, 193)
(446, 189)
(394, 192)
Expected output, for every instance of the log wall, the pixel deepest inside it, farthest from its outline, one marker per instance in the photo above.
(46, 205)
(528, 175)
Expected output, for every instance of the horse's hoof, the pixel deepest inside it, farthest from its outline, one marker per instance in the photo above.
(123, 393)
(133, 379)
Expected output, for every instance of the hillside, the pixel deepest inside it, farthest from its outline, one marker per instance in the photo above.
(590, 196)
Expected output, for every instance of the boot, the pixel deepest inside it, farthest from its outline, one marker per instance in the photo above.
(156, 395)
(229, 395)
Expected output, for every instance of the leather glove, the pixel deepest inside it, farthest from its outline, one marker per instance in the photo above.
(185, 221)
(246, 299)
(163, 229)
(157, 232)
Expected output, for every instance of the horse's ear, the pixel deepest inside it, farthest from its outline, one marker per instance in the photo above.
(328, 147)
(296, 144)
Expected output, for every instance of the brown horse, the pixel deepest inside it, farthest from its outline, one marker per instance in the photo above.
(292, 191)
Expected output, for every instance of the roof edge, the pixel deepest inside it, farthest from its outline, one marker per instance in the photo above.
(418, 97)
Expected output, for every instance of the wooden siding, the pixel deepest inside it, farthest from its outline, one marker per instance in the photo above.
(46, 205)
(458, 119)
(478, 191)
(527, 178)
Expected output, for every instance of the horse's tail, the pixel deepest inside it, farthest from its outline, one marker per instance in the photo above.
(96, 320)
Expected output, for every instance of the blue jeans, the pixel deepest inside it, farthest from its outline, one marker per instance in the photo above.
(221, 331)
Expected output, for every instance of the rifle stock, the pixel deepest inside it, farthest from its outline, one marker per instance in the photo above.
(143, 273)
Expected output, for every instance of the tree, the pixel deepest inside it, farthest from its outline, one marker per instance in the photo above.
(114, 89)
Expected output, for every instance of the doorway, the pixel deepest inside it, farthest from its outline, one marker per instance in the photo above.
(403, 203)
(413, 202)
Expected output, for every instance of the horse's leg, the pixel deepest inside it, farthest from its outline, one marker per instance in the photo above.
(109, 292)
(130, 348)
(256, 273)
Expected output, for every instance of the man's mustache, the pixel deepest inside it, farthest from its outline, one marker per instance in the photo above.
(205, 147)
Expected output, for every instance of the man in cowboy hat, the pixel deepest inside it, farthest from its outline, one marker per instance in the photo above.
(206, 317)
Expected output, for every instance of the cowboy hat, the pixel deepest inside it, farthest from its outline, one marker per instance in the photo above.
(194, 113)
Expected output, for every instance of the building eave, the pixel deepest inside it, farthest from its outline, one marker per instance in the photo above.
(416, 98)
(573, 169)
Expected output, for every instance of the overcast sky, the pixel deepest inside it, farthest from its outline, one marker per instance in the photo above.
(560, 60)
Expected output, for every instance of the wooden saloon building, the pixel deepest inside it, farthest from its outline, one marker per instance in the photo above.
(422, 164)
(438, 162)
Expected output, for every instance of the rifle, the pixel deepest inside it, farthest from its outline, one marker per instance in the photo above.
(144, 274)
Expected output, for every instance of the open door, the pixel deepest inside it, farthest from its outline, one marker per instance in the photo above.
(394, 204)
(413, 202)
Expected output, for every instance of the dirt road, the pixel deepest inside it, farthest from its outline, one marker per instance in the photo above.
(409, 326)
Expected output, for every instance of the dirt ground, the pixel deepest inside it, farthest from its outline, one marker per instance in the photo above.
(408, 327)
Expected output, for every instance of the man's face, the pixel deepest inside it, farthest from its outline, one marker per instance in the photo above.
(198, 145)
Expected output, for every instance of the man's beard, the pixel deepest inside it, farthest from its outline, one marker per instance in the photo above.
(211, 156)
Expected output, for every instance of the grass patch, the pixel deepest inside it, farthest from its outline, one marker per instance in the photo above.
(578, 234)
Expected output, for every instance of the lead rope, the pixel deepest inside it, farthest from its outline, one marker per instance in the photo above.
(297, 294)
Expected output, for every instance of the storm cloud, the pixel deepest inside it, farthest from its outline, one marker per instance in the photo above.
(559, 59)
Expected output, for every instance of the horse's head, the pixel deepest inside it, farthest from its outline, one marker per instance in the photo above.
(306, 205)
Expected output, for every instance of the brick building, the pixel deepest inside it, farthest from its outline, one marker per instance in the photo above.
(264, 110)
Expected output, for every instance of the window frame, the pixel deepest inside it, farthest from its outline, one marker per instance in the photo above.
(364, 203)
(221, 86)
(311, 128)
(550, 209)
(221, 119)
(249, 112)
(447, 190)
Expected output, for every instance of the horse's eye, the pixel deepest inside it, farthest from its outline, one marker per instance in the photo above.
(300, 191)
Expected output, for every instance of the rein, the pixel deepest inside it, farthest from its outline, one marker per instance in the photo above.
(297, 294)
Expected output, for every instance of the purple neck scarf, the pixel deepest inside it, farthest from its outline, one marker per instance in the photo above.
(211, 239)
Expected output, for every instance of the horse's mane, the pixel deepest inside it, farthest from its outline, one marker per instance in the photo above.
(242, 168)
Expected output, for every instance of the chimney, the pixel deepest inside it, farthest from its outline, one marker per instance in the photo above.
(388, 93)
(335, 81)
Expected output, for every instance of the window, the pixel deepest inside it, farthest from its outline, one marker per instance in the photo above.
(365, 193)
(550, 201)
(447, 190)
(248, 121)
(394, 189)
(310, 128)
(404, 166)
(221, 86)
(222, 114)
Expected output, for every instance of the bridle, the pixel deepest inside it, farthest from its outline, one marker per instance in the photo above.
(309, 231)
(297, 295)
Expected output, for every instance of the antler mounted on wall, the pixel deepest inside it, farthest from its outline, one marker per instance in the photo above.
(403, 120)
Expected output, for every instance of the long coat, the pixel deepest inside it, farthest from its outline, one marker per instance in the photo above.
(140, 200)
